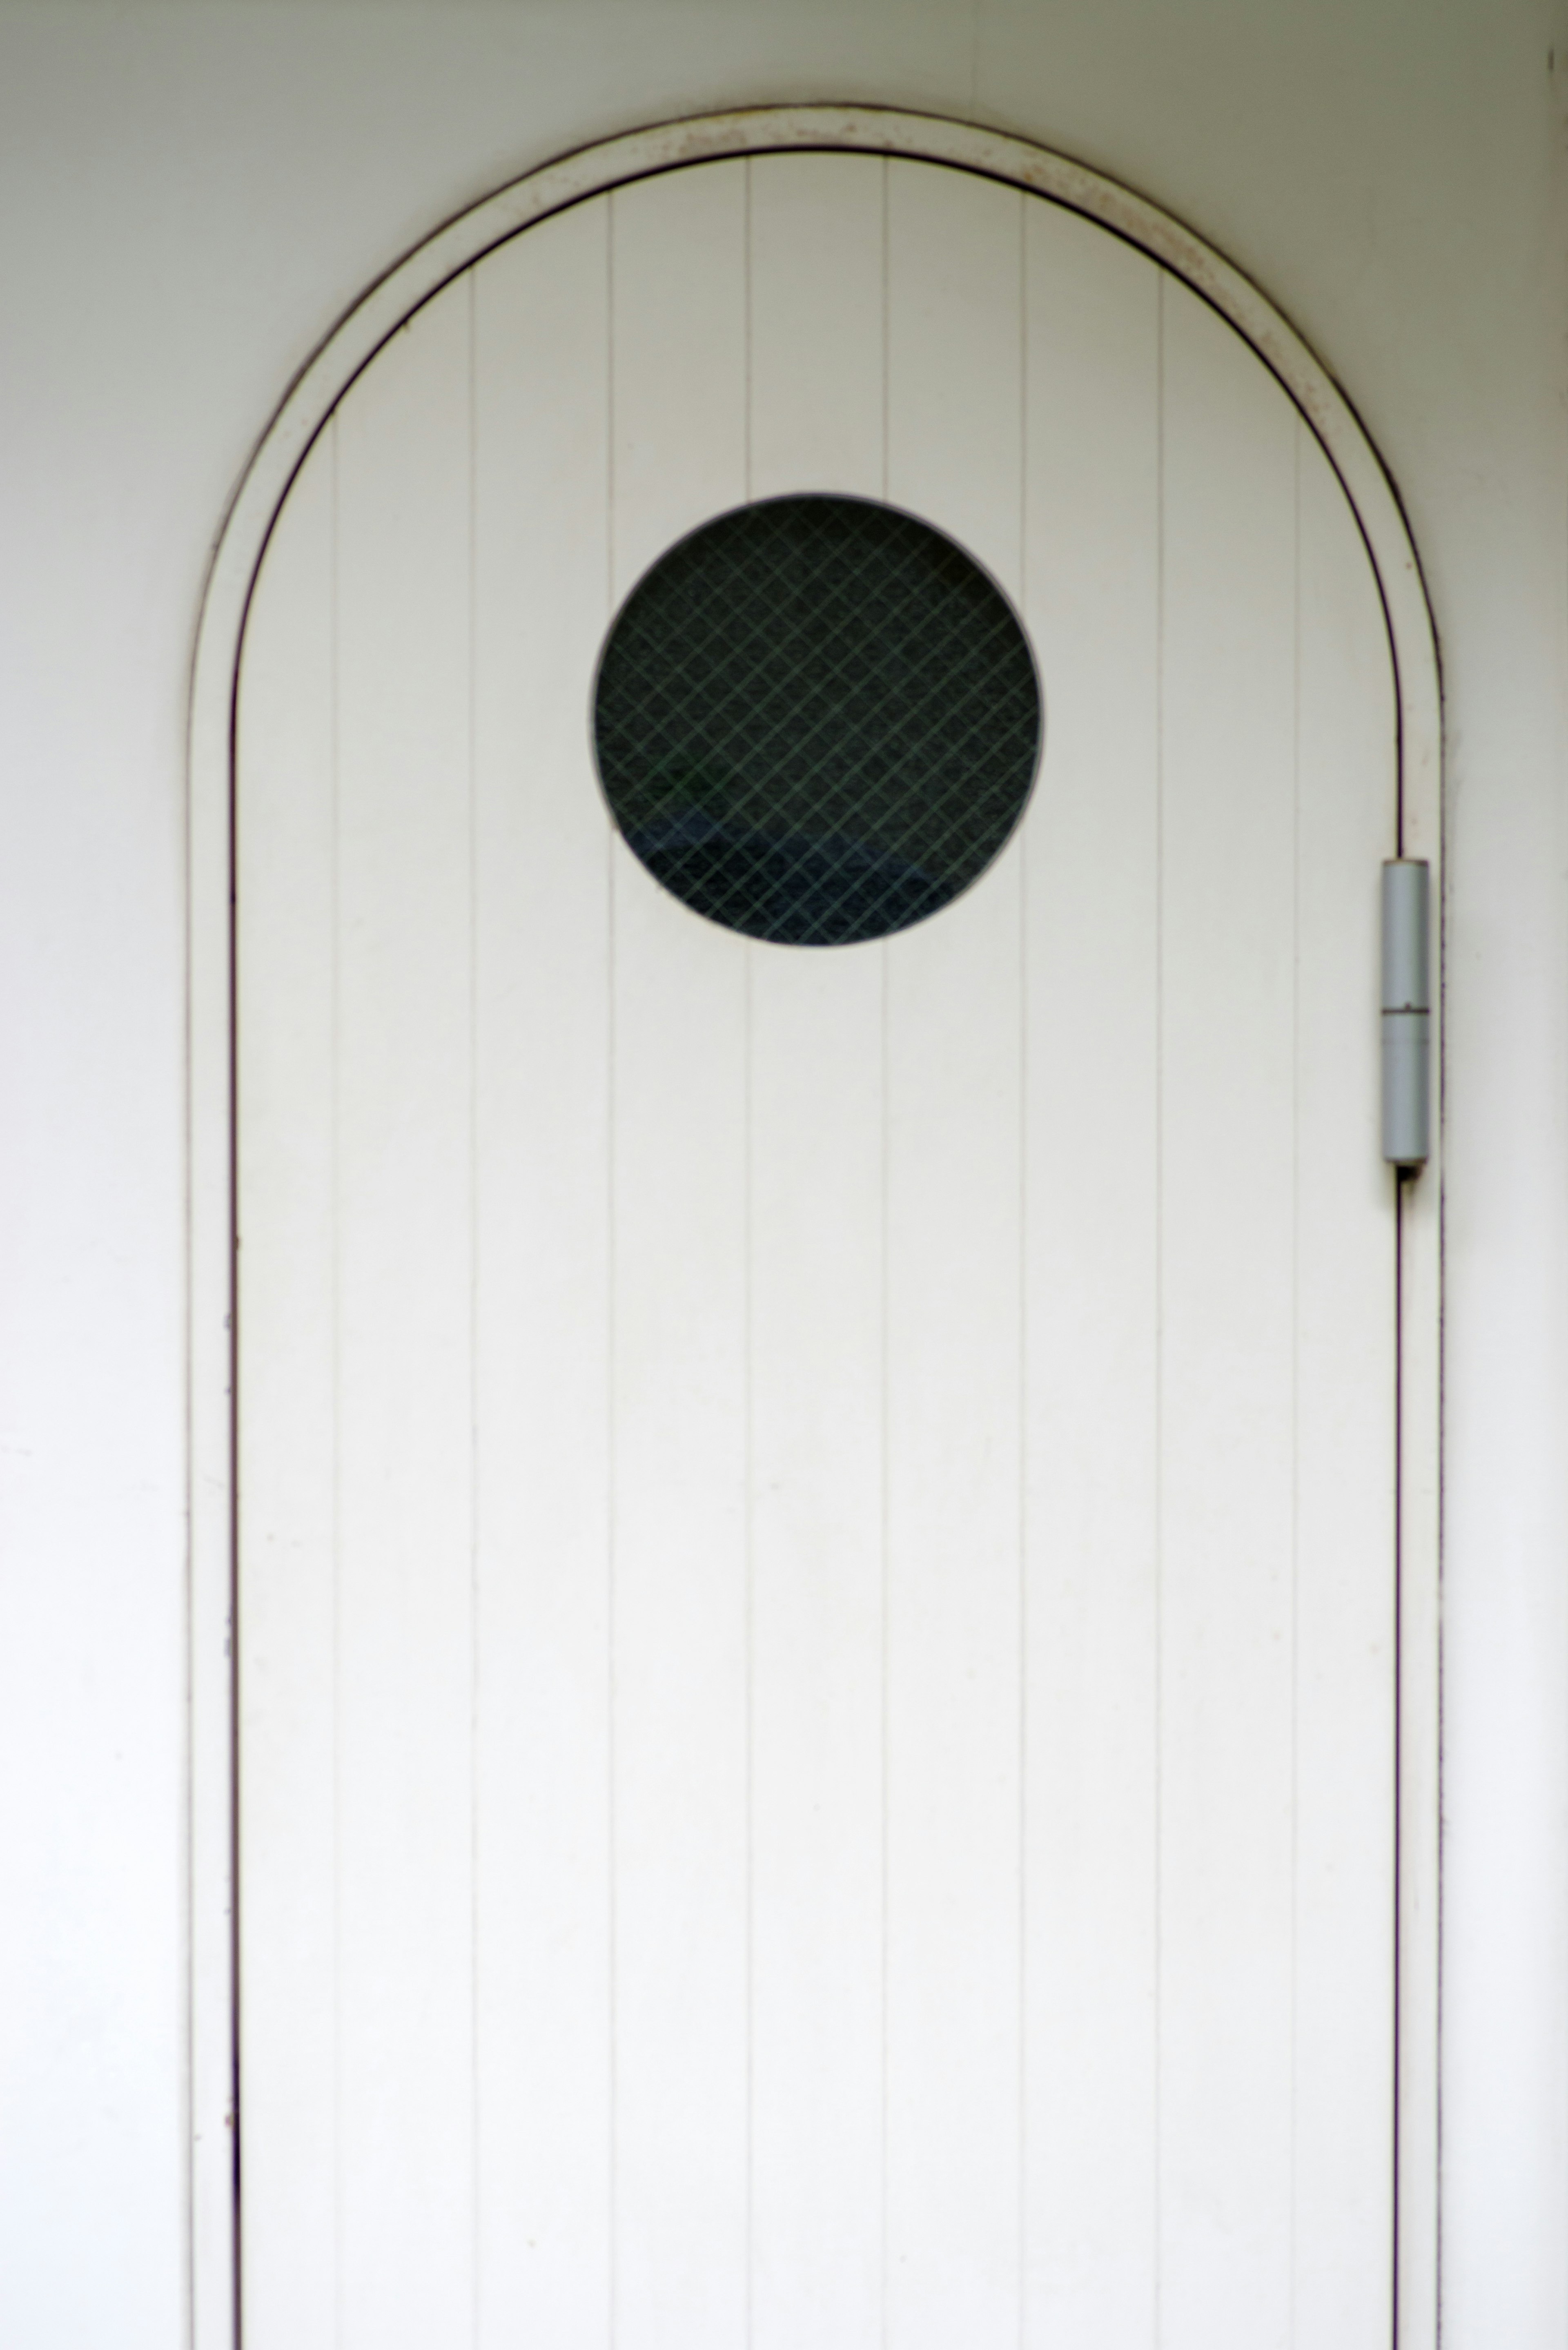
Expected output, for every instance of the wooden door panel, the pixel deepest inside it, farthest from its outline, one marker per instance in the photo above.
(954, 1214)
(816, 1182)
(1227, 1262)
(543, 1038)
(1091, 1493)
(404, 1336)
(817, 1550)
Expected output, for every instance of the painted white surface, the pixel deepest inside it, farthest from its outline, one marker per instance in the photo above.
(1092, 1470)
(211, 185)
(817, 379)
(818, 1993)
(542, 1761)
(383, 312)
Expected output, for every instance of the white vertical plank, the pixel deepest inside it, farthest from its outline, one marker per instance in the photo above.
(680, 1309)
(678, 359)
(405, 1661)
(816, 1250)
(817, 293)
(286, 1222)
(1345, 1446)
(955, 267)
(1227, 1276)
(817, 1678)
(1091, 849)
(542, 1295)
(953, 1253)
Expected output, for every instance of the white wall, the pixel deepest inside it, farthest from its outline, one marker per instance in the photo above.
(189, 196)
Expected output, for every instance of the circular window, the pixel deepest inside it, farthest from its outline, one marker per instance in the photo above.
(816, 720)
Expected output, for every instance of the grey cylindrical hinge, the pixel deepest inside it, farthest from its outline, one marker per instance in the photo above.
(1406, 1012)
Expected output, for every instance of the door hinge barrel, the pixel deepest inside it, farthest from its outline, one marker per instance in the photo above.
(1406, 1012)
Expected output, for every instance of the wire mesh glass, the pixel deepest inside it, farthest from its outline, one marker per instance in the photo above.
(816, 720)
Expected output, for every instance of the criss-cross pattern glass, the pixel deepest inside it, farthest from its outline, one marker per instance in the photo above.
(816, 720)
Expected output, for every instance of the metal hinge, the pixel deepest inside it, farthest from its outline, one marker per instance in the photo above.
(1406, 1014)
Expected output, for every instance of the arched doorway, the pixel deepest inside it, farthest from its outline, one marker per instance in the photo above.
(818, 1588)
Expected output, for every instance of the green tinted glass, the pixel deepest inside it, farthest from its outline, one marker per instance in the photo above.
(817, 719)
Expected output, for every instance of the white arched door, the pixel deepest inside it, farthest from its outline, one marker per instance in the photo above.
(817, 1562)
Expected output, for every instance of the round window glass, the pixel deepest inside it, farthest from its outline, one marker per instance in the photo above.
(816, 720)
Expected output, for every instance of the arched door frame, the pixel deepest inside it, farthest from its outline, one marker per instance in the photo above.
(211, 2077)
